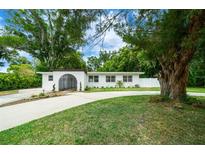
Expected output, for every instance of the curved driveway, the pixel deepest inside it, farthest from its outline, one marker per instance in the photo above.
(11, 116)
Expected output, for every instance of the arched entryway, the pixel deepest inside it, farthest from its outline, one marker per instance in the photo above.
(67, 82)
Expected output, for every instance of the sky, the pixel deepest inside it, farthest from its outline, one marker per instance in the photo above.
(111, 42)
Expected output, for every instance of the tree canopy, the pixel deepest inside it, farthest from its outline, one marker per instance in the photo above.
(170, 37)
(50, 35)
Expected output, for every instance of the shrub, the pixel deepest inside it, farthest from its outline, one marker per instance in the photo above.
(137, 86)
(119, 84)
(87, 88)
(41, 94)
(10, 81)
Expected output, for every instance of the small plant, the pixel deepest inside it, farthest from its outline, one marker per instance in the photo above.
(137, 86)
(119, 84)
(34, 96)
(102, 87)
(41, 94)
(87, 88)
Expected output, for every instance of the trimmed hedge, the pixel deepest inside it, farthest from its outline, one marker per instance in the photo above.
(11, 81)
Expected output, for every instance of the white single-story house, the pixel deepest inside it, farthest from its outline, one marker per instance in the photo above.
(79, 80)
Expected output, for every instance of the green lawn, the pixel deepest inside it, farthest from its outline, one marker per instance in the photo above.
(122, 89)
(122, 120)
(190, 89)
(8, 92)
(193, 89)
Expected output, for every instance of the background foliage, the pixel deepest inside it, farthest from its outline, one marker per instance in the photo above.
(11, 81)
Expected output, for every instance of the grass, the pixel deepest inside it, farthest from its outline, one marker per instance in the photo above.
(196, 89)
(8, 92)
(190, 89)
(122, 120)
(122, 89)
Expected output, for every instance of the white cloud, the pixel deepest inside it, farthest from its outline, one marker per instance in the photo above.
(1, 18)
(111, 42)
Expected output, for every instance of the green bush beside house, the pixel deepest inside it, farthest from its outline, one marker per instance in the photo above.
(10, 81)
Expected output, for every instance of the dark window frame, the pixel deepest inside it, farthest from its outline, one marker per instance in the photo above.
(113, 78)
(90, 78)
(127, 78)
(50, 77)
(107, 78)
(96, 78)
(124, 78)
(110, 78)
(93, 78)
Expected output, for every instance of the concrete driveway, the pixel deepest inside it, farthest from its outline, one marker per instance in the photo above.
(22, 94)
(15, 115)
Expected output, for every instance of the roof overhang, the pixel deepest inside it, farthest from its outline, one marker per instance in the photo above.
(115, 73)
(45, 73)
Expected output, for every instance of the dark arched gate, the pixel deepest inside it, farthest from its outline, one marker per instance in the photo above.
(67, 82)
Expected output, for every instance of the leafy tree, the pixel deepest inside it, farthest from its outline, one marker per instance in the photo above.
(170, 37)
(17, 60)
(21, 69)
(126, 59)
(50, 35)
(197, 70)
(73, 60)
(96, 62)
(123, 60)
(93, 63)
(150, 67)
(8, 47)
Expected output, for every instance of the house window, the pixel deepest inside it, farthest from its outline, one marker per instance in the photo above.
(50, 78)
(107, 78)
(124, 78)
(127, 78)
(90, 78)
(96, 79)
(93, 78)
(110, 78)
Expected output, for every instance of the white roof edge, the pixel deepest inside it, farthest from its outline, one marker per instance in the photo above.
(99, 72)
(115, 72)
(44, 72)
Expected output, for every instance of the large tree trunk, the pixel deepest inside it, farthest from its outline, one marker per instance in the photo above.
(164, 83)
(174, 69)
(173, 80)
(178, 83)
